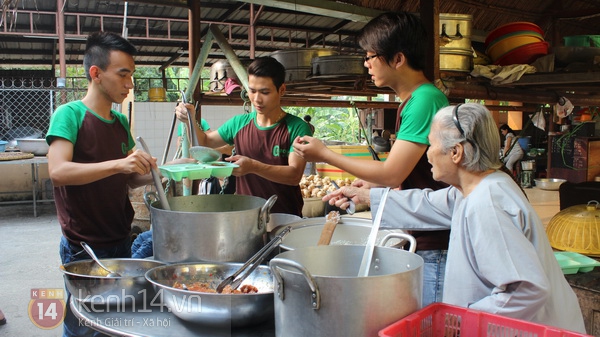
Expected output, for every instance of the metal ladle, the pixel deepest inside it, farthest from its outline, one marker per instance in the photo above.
(202, 154)
(164, 203)
(91, 253)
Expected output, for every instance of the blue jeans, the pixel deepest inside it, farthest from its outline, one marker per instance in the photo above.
(433, 274)
(141, 247)
(70, 253)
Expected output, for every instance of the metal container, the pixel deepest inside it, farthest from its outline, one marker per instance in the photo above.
(456, 60)
(211, 308)
(297, 62)
(338, 65)
(220, 71)
(550, 184)
(318, 292)
(38, 147)
(455, 42)
(279, 219)
(455, 31)
(209, 228)
(528, 165)
(87, 282)
(349, 231)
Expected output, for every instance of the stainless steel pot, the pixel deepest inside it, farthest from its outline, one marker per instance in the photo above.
(297, 62)
(210, 228)
(220, 71)
(338, 65)
(87, 282)
(317, 292)
(212, 308)
(349, 231)
(301, 57)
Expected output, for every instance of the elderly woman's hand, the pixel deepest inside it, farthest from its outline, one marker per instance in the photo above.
(181, 111)
(339, 198)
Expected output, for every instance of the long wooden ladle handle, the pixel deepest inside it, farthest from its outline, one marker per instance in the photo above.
(331, 221)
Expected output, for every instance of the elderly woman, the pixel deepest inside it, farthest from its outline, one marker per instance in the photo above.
(499, 258)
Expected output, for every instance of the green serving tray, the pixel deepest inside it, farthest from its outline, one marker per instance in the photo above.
(179, 171)
(572, 263)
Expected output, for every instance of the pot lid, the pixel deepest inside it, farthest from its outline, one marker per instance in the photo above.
(576, 229)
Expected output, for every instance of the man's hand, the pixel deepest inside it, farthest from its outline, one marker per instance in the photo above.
(310, 148)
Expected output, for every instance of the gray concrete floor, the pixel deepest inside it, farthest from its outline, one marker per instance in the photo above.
(29, 259)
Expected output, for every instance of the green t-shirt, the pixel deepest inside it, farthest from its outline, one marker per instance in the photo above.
(99, 212)
(418, 112)
(271, 145)
(203, 125)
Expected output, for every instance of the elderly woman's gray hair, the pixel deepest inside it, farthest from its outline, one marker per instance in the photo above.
(473, 126)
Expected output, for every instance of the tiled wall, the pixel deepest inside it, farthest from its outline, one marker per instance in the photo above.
(152, 121)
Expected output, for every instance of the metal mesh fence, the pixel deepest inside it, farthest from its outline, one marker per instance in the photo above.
(27, 104)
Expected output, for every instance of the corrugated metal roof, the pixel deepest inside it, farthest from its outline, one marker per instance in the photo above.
(159, 28)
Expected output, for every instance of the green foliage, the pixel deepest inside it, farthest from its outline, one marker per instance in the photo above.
(330, 123)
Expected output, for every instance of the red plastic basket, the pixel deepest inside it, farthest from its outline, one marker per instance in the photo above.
(443, 320)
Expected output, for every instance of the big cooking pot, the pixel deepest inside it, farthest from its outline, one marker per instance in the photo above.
(349, 231)
(318, 292)
(208, 228)
(212, 308)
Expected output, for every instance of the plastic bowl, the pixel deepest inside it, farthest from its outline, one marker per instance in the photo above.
(506, 44)
(524, 54)
(511, 28)
(3, 145)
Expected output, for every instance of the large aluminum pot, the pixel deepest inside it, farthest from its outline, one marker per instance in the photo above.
(297, 62)
(349, 231)
(208, 228)
(87, 282)
(318, 292)
(220, 71)
(338, 65)
(212, 308)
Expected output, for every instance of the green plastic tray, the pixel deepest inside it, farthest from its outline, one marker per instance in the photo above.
(572, 263)
(179, 171)
(221, 169)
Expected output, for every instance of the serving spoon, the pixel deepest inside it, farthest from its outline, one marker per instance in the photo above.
(91, 253)
(202, 154)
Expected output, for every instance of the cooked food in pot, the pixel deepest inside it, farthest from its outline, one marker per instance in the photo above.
(206, 288)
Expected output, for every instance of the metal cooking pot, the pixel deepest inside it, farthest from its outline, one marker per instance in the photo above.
(211, 228)
(338, 65)
(318, 292)
(297, 62)
(381, 144)
(212, 308)
(349, 231)
(87, 282)
(220, 71)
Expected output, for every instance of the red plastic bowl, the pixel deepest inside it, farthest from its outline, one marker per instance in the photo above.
(523, 55)
(511, 28)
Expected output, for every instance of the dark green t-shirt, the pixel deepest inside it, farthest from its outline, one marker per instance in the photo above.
(271, 145)
(100, 212)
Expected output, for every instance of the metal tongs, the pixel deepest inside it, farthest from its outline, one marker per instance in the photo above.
(253, 263)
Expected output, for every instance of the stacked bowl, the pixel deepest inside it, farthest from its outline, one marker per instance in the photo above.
(516, 43)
